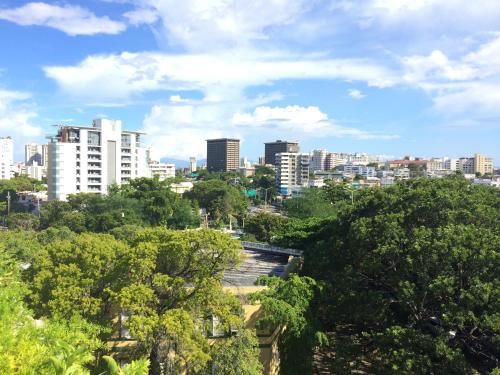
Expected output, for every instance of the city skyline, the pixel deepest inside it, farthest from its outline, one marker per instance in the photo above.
(384, 78)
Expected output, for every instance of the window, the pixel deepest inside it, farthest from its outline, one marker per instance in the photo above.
(126, 140)
(94, 138)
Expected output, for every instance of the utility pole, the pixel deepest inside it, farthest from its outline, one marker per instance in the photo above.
(8, 203)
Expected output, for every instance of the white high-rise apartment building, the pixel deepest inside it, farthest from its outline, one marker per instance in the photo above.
(292, 171)
(90, 159)
(6, 158)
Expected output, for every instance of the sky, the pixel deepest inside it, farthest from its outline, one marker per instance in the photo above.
(386, 77)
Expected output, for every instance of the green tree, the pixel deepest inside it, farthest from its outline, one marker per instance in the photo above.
(237, 355)
(409, 280)
(20, 245)
(172, 283)
(264, 225)
(288, 305)
(155, 196)
(69, 277)
(51, 213)
(220, 199)
(28, 346)
(23, 221)
(312, 203)
(184, 215)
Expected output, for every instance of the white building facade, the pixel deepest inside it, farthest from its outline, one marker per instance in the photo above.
(90, 159)
(6, 158)
(292, 172)
(162, 170)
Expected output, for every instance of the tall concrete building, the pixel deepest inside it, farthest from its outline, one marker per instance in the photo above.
(273, 148)
(223, 155)
(482, 164)
(318, 160)
(292, 171)
(6, 158)
(35, 153)
(477, 164)
(90, 159)
(192, 164)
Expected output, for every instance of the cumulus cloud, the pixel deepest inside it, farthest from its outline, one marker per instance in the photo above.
(468, 84)
(355, 94)
(16, 118)
(70, 19)
(306, 120)
(219, 76)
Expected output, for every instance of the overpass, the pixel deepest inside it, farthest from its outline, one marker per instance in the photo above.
(270, 249)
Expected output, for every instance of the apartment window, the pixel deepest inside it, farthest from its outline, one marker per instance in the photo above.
(73, 135)
(94, 138)
(126, 140)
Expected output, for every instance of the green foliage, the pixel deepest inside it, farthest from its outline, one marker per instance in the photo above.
(38, 347)
(289, 304)
(51, 214)
(220, 199)
(69, 276)
(322, 202)
(237, 355)
(155, 196)
(137, 367)
(410, 277)
(23, 221)
(142, 202)
(20, 245)
(171, 279)
(184, 216)
(264, 225)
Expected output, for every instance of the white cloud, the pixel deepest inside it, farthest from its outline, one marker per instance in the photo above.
(16, 118)
(222, 24)
(219, 76)
(355, 94)
(180, 130)
(306, 120)
(141, 16)
(466, 85)
(70, 19)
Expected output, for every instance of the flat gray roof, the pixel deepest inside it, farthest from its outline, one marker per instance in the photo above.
(256, 263)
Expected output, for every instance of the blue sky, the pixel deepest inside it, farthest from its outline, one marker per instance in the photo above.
(387, 77)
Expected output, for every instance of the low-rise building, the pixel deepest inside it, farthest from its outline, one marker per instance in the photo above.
(181, 187)
(161, 170)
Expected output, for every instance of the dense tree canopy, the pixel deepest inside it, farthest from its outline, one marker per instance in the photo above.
(166, 282)
(143, 202)
(45, 346)
(220, 199)
(410, 277)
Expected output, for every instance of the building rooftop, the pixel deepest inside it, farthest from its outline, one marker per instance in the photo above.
(223, 139)
(93, 128)
(256, 263)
